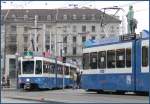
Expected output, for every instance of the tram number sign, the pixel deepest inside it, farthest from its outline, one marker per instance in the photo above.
(128, 37)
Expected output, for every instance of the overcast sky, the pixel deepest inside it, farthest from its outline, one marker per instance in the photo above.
(141, 8)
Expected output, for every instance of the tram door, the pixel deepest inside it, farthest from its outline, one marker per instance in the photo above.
(12, 72)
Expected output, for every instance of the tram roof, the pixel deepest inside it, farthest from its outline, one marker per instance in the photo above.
(92, 43)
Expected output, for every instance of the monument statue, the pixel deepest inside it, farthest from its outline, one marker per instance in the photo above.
(132, 23)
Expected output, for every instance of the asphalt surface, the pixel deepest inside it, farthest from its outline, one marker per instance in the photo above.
(70, 96)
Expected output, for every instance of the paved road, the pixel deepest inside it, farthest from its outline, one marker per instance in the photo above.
(10, 100)
(73, 96)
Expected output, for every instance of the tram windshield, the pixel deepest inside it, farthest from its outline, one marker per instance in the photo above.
(28, 67)
(38, 69)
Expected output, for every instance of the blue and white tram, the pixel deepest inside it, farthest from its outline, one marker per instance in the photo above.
(41, 72)
(142, 64)
(116, 65)
(37, 72)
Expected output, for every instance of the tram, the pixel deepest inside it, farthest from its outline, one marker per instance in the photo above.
(36, 72)
(116, 65)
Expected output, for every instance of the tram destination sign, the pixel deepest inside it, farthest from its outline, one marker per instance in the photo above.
(127, 37)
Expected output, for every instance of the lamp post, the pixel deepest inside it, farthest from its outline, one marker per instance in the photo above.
(17, 54)
(61, 55)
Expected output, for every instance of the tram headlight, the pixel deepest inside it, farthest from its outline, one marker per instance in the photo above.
(27, 79)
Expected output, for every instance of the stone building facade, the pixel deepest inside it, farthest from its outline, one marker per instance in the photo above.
(70, 27)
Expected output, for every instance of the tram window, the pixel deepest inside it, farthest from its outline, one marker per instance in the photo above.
(28, 67)
(66, 70)
(60, 69)
(102, 59)
(38, 69)
(51, 68)
(86, 61)
(120, 58)
(111, 61)
(93, 60)
(144, 56)
(128, 57)
(45, 67)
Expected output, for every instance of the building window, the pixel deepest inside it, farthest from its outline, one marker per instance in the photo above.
(47, 47)
(83, 28)
(25, 29)
(112, 28)
(74, 16)
(12, 38)
(83, 16)
(49, 17)
(25, 39)
(102, 30)
(93, 37)
(65, 50)
(12, 49)
(83, 38)
(25, 17)
(74, 39)
(93, 29)
(14, 16)
(65, 17)
(74, 50)
(93, 16)
(65, 39)
(13, 28)
(74, 28)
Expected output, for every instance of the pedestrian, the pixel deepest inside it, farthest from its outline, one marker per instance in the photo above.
(8, 82)
(74, 80)
(78, 80)
(3, 81)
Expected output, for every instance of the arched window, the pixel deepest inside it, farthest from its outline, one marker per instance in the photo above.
(14, 17)
(49, 17)
(25, 17)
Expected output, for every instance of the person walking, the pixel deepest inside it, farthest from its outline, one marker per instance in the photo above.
(74, 81)
(78, 80)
